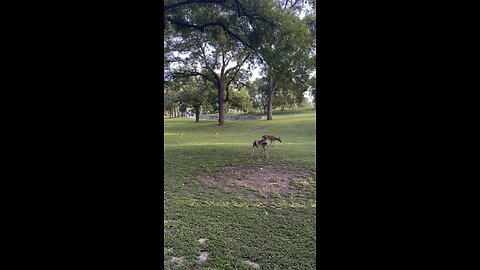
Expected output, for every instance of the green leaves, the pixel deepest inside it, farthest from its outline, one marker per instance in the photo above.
(213, 35)
(241, 100)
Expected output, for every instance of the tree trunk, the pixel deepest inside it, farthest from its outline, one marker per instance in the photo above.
(197, 113)
(271, 91)
(221, 103)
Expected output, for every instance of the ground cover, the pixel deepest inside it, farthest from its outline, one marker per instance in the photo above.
(224, 210)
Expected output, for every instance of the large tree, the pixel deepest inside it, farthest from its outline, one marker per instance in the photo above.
(212, 56)
(220, 36)
(285, 54)
(196, 92)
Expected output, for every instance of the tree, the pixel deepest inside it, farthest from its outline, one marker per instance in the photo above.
(212, 56)
(241, 100)
(171, 99)
(258, 91)
(313, 89)
(286, 52)
(196, 93)
(236, 18)
(310, 20)
(285, 98)
(234, 21)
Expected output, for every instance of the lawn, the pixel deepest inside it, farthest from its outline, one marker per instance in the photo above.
(226, 211)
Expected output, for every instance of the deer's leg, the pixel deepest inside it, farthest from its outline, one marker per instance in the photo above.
(265, 151)
(251, 157)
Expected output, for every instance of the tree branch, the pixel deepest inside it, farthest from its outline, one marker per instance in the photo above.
(204, 57)
(188, 2)
(223, 64)
(235, 74)
(238, 64)
(244, 13)
(203, 26)
(193, 73)
(285, 7)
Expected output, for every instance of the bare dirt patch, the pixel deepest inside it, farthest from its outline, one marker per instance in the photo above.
(252, 264)
(203, 257)
(177, 260)
(265, 177)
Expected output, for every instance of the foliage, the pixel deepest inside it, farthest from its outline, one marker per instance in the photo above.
(286, 53)
(216, 39)
(195, 91)
(258, 91)
(241, 100)
(171, 99)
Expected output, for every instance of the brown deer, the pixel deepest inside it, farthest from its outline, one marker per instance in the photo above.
(259, 144)
(271, 138)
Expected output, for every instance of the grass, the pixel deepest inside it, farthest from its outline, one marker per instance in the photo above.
(275, 233)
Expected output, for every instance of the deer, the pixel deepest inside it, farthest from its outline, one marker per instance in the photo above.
(181, 135)
(216, 135)
(271, 138)
(259, 144)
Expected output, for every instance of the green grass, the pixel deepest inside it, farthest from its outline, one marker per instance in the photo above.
(276, 233)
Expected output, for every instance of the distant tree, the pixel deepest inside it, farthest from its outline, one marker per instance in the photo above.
(258, 91)
(171, 99)
(241, 100)
(286, 98)
(196, 92)
(285, 56)
(313, 89)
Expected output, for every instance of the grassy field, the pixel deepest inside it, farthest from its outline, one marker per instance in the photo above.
(224, 211)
